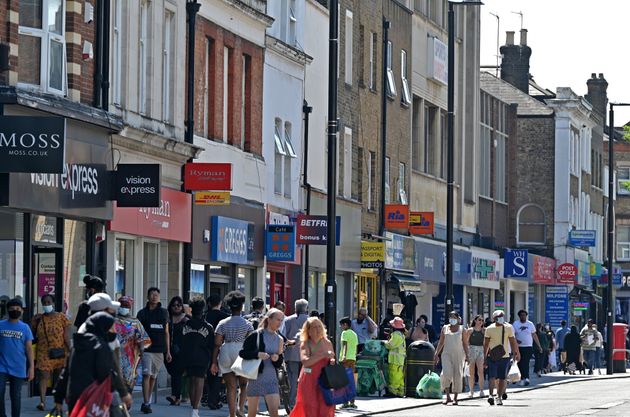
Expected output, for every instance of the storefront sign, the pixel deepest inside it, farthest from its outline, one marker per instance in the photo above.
(232, 240)
(556, 305)
(431, 262)
(439, 316)
(372, 254)
(396, 216)
(617, 279)
(313, 230)
(280, 243)
(44, 229)
(32, 144)
(515, 261)
(543, 270)
(421, 223)
(567, 273)
(484, 272)
(438, 60)
(582, 238)
(400, 252)
(170, 221)
(208, 176)
(46, 275)
(212, 198)
(137, 185)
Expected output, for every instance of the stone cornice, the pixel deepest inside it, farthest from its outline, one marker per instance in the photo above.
(251, 11)
(288, 51)
(156, 145)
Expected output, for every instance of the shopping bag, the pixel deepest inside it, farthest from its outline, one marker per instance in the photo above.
(334, 376)
(95, 401)
(335, 396)
(429, 386)
(514, 375)
(466, 370)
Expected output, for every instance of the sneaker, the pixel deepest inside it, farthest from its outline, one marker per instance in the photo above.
(499, 401)
(481, 394)
(522, 383)
(352, 405)
(195, 413)
(504, 396)
(526, 381)
(599, 371)
(146, 408)
(491, 400)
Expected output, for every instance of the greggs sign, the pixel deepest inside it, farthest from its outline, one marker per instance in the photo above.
(208, 176)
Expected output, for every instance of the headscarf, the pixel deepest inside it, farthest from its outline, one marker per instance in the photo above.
(126, 299)
(99, 324)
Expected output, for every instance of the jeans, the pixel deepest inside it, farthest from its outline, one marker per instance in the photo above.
(293, 369)
(15, 392)
(598, 357)
(589, 357)
(213, 388)
(523, 364)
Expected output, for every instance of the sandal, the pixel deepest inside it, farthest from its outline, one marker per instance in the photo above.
(41, 406)
(446, 401)
(172, 400)
(454, 402)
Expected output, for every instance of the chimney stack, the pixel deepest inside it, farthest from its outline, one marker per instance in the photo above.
(597, 93)
(515, 62)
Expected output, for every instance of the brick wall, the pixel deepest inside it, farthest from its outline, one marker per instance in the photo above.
(238, 47)
(80, 71)
(9, 35)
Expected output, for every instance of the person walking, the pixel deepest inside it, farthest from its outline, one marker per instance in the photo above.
(213, 382)
(316, 352)
(93, 285)
(560, 335)
(175, 368)
(91, 360)
(553, 348)
(228, 342)
(396, 358)
(540, 357)
(348, 350)
(197, 344)
(598, 350)
(419, 332)
(16, 356)
(589, 338)
(476, 336)
(133, 341)
(267, 345)
(292, 328)
(280, 305)
(497, 335)
(51, 330)
(572, 347)
(257, 313)
(525, 334)
(452, 350)
(364, 327)
(154, 318)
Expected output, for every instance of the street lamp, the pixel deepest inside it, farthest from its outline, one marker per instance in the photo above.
(450, 163)
(610, 304)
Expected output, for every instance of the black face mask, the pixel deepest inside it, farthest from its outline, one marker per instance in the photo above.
(110, 337)
(15, 314)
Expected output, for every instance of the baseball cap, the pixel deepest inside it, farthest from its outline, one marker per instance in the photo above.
(101, 301)
(497, 313)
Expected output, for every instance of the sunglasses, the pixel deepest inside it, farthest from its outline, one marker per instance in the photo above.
(177, 305)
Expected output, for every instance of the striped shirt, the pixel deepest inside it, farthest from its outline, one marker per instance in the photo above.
(234, 329)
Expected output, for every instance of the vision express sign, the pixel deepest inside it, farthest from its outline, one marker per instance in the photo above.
(32, 144)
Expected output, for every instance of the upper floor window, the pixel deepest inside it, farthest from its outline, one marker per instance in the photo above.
(623, 180)
(405, 92)
(391, 85)
(623, 242)
(531, 226)
(117, 34)
(42, 45)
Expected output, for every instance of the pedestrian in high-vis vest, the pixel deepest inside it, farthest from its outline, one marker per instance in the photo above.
(396, 358)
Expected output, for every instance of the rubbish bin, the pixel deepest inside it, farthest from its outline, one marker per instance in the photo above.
(419, 361)
(619, 347)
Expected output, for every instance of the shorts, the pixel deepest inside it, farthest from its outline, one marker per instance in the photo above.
(152, 362)
(498, 369)
(349, 363)
(196, 371)
(475, 353)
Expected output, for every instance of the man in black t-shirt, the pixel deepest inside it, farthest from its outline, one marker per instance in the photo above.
(154, 318)
(213, 382)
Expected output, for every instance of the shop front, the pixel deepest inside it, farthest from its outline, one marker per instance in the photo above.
(228, 249)
(485, 270)
(401, 282)
(145, 245)
(544, 287)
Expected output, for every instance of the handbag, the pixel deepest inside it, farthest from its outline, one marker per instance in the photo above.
(334, 396)
(497, 352)
(334, 376)
(247, 368)
(53, 353)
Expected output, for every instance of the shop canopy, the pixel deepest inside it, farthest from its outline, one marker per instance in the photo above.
(409, 283)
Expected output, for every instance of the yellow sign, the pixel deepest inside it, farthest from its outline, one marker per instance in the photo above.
(212, 198)
(372, 254)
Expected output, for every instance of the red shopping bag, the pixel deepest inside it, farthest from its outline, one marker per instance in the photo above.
(95, 400)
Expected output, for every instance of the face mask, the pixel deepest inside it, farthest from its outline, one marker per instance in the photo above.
(500, 320)
(110, 337)
(123, 311)
(15, 314)
(48, 309)
(453, 321)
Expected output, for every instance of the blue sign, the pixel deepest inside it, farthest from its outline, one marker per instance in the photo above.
(439, 317)
(582, 238)
(232, 240)
(515, 263)
(431, 263)
(280, 243)
(617, 279)
(556, 304)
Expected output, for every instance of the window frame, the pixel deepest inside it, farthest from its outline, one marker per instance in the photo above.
(519, 223)
(388, 189)
(168, 65)
(348, 43)
(391, 83)
(624, 245)
(405, 92)
(621, 189)
(373, 70)
(144, 46)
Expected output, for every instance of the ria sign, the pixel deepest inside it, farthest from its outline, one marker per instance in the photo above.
(32, 144)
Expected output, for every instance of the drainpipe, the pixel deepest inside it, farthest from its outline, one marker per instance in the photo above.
(98, 60)
(306, 109)
(105, 56)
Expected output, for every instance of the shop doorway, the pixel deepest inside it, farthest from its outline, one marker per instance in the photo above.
(366, 294)
(47, 266)
(219, 288)
(280, 289)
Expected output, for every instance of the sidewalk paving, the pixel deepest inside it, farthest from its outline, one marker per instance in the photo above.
(365, 405)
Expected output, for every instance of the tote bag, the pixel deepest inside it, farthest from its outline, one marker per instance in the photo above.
(95, 400)
(334, 376)
(342, 395)
(247, 368)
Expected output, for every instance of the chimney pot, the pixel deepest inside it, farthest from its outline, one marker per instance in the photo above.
(593, 76)
(523, 37)
(601, 75)
(509, 38)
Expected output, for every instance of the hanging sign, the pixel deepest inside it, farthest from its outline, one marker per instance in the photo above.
(208, 176)
(372, 254)
(137, 185)
(566, 274)
(421, 223)
(212, 198)
(313, 230)
(515, 261)
(396, 216)
(280, 243)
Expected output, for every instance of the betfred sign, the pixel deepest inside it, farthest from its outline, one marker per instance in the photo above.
(200, 176)
(313, 230)
(137, 185)
(567, 274)
(396, 216)
(32, 144)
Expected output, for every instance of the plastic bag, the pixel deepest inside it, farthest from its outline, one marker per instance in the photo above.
(466, 370)
(514, 375)
(95, 400)
(429, 386)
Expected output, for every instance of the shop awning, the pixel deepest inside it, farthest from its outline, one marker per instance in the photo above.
(408, 282)
(579, 290)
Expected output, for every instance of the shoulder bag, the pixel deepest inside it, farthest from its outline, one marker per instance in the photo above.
(333, 376)
(497, 352)
(248, 368)
(53, 353)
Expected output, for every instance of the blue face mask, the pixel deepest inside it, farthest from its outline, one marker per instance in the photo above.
(48, 309)
(500, 320)
(453, 321)
(123, 311)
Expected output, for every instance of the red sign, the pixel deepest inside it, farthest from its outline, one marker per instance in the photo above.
(396, 216)
(421, 222)
(543, 270)
(208, 176)
(170, 221)
(567, 273)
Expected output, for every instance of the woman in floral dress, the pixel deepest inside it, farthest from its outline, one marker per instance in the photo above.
(133, 340)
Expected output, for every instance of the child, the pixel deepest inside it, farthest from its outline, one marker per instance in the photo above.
(348, 350)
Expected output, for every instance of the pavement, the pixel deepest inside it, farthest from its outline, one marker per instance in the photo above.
(366, 406)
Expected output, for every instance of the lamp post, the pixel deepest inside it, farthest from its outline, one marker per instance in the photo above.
(610, 304)
(450, 155)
